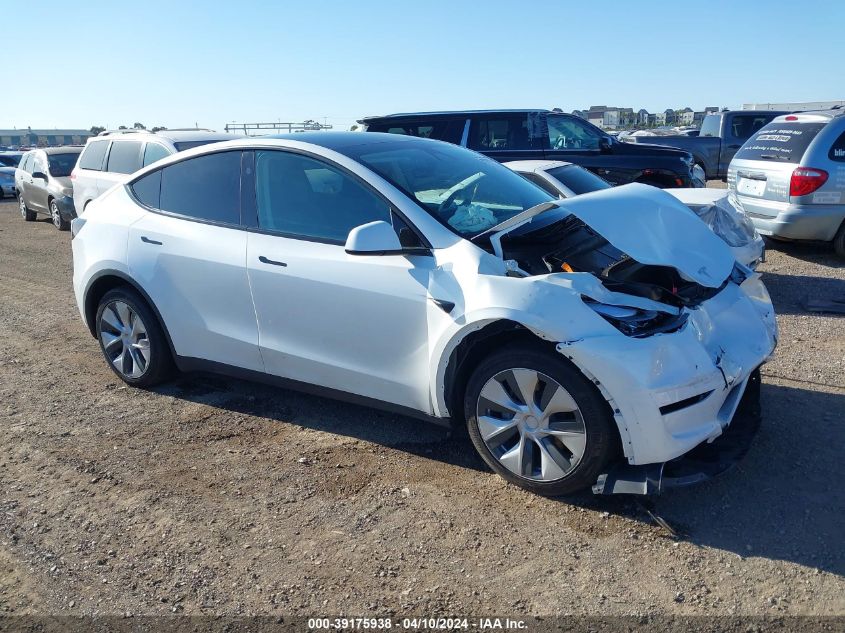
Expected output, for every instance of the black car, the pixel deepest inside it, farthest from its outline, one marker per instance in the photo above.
(547, 134)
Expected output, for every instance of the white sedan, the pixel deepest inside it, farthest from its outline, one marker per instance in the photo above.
(573, 340)
(713, 206)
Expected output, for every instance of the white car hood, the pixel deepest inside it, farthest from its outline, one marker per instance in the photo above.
(655, 228)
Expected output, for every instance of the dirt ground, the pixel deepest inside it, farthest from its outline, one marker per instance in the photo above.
(213, 496)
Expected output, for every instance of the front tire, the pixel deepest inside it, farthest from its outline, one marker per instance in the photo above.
(26, 214)
(538, 422)
(131, 339)
(59, 222)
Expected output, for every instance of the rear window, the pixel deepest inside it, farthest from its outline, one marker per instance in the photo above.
(62, 164)
(205, 187)
(837, 150)
(93, 155)
(450, 131)
(578, 179)
(711, 124)
(780, 141)
(125, 157)
(181, 147)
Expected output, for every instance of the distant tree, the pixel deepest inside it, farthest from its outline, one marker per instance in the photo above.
(96, 129)
(122, 127)
(158, 129)
(139, 126)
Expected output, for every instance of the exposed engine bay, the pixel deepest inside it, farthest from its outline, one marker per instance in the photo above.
(570, 245)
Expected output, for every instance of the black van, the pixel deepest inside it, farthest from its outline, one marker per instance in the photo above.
(547, 134)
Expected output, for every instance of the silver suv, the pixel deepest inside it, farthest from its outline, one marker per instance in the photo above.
(109, 157)
(790, 178)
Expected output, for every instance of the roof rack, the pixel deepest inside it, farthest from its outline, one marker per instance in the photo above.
(126, 131)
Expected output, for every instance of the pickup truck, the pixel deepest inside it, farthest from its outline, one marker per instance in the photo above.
(721, 135)
(506, 135)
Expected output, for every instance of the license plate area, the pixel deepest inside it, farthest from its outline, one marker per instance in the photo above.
(750, 187)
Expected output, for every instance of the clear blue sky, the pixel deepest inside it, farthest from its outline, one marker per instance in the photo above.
(177, 63)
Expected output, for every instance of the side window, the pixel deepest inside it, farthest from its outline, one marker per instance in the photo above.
(837, 150)
(569, 132)
(154, 152)
(206, 187)
(512, 132)
(301, 196)
(449, 130)
(39, 164)
(744, 126)
(710, 125)
(124, 157)
(93, 155)
(25, 163)
(148, 189)
(542, 183)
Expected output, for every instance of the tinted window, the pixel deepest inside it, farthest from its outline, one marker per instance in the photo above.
(710, 125)
(148, 189)
(541, 182)
(26, 162)
(298, 195)
(837, 150)
(450, 131)
(744, 125)
(511, 132)
(466, 191)
(124, 157)
(181, 147)
(93, 155)
(781, 141)
(205, 187)
(62, 164)
(569, 132)
(578, 179)
(154, 152)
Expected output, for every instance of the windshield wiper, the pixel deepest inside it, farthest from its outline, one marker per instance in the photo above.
(773, 157)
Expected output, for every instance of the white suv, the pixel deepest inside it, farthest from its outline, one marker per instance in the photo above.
(426, 278)
(110, 156)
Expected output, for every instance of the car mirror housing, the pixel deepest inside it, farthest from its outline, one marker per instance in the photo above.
(373, 238)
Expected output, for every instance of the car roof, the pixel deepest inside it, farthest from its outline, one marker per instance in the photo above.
(64, 149)
(535, 165)
(175, 136)
(811, 116)
(445, 113)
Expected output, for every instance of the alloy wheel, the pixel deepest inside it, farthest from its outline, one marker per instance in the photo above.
(22, 206)
(123, 336)
(54, 213)
(531, 424)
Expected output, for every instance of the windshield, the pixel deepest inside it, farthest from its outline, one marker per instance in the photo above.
(62, 164)
(466, 191)
(579, 180)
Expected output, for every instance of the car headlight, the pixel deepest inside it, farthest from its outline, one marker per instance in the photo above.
(636, 322)
(728, 221)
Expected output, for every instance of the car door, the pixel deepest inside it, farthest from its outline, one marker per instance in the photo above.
(188, 253)
(23, 175)
(347, 322)
(36, 190)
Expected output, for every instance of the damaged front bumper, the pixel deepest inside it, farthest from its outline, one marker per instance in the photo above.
(704, 462)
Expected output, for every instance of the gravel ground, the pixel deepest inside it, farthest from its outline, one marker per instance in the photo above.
(213, 496)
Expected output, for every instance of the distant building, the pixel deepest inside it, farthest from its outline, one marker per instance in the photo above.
(794, 106)
(684, 117)
(643, 117)
(43, 138)
(581, 114)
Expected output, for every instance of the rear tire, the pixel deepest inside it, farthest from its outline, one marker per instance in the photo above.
(59, 222)
(26, 214)
(839, 241)
(555, 440)
(131, 339)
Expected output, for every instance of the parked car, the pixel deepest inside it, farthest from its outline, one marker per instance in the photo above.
(43, 184)
(7, 182)
(720, 136)
(541, 134)
(428, 279)
(713, 206)
(112, 155)
(10, 159)
(790, 178)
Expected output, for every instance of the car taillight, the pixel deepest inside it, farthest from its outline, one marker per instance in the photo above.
(805, 180)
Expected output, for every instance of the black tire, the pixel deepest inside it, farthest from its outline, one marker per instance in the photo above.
(839, 241)
(602, 438)
(27, 215)
(58, 221)
(160, 362)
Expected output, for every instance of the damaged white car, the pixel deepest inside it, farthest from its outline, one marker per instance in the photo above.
(580, 345)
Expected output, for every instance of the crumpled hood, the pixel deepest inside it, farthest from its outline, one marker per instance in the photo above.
(654, 227)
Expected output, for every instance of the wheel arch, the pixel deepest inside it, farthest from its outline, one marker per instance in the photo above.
(107, 280)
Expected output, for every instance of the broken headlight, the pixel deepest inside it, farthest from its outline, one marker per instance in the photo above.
(637, 322)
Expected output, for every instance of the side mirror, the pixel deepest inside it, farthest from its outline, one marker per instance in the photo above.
(373, 238)
(605, 144)
(41, 175)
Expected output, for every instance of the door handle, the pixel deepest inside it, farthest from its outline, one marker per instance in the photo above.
(265, 260)
(147, 240)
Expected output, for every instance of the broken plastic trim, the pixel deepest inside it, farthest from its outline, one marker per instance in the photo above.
(703, 462)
